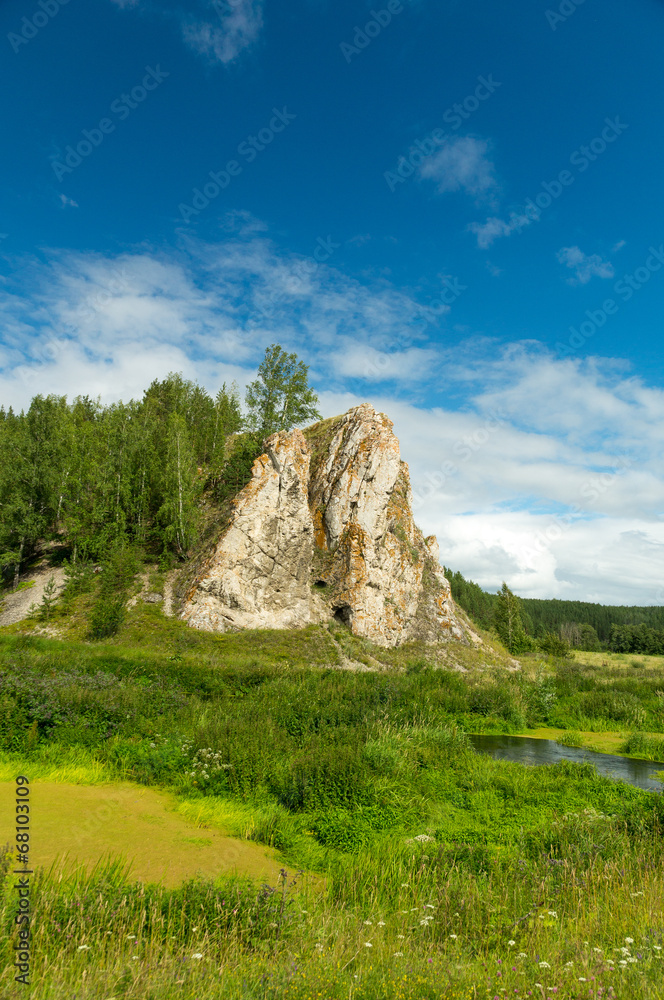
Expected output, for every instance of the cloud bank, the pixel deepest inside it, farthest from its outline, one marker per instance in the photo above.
(542, 471)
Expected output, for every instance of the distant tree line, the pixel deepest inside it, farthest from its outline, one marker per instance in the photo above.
(101, 477)
(573, 624)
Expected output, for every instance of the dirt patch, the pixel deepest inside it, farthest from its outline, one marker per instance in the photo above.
(77, 825)
(15, 606)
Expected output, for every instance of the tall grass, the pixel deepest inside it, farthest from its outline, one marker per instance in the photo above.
(441, 873)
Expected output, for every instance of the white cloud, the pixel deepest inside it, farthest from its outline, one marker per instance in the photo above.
(462, 164)
(237, 26)
(549, 476)
(585, 266)
(208, 308)
(491, 230)
(222, 29)
(67, 202)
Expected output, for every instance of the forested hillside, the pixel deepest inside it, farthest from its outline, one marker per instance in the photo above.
(581, 624)
(103, 477)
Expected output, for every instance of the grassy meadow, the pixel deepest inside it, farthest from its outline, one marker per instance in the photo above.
(408, 867)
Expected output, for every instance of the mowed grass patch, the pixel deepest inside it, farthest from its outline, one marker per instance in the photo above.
(74, 826)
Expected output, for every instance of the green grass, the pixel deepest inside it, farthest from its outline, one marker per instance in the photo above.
(366, 780)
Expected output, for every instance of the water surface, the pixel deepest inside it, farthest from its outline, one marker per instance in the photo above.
(526, 750)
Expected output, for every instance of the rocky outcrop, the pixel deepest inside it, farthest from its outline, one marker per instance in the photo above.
(324, 530)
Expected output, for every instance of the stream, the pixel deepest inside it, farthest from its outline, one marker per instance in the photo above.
(525, 750)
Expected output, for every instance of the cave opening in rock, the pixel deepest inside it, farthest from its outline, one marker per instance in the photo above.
(320, 584)
(344, 614)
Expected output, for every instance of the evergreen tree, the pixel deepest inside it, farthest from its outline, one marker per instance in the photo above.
(280, 398)
(507, 622)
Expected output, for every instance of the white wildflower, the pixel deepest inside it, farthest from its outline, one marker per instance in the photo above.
(544, 965)
(398, 954)
(368, 944)
(511, 944)
(83, 947)
(197, 954)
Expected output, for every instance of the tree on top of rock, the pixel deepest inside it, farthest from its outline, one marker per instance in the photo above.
(280, 398)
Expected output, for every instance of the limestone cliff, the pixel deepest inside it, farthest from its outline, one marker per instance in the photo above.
(323, 530)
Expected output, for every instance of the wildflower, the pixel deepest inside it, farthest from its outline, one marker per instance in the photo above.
(319, 947)
(568, 965)
(629, 940)
(429, 906)
(367, 923)
(404, 885)
(83, 947)
(657, 947)
(511, 944)
(552, 913)
(368, 944)
(131, 937)
(401, 936)
(381, 923)
(197, 954)
(398, 954)
(582, 979)
(522, 954)
(632, 959)
(622, 962)
(596, 948)
(544, 965)
(453, 936)
(134, 957)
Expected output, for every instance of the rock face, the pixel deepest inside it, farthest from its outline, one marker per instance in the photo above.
(324, 530)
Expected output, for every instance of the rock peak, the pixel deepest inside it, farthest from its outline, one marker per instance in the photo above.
(323, 530)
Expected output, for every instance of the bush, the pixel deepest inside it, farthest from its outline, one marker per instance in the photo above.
(107, 616)
(554, 646)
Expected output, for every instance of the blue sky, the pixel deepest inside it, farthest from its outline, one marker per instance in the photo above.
(450, 210)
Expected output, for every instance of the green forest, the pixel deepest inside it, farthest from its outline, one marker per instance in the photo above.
(103, 478)
(579, 624)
